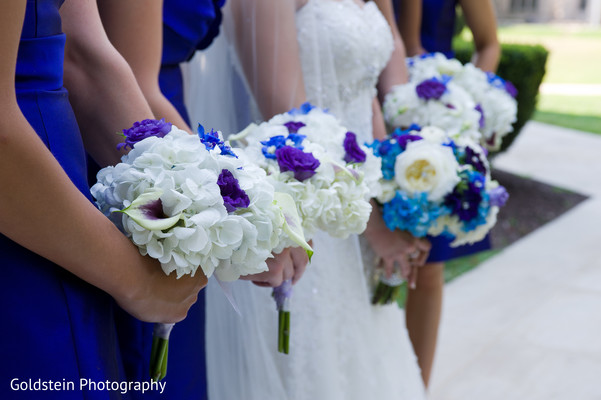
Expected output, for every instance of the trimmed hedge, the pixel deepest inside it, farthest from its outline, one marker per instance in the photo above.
(522, 65)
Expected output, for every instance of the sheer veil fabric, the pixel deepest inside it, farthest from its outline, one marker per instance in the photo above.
(272, 56)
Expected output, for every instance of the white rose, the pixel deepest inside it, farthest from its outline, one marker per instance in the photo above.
(433, 134)
(427, 167)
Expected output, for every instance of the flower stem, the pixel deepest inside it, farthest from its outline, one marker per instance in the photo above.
(284, 331)
(159, 351)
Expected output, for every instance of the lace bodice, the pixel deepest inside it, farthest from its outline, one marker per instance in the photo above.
(343, 46)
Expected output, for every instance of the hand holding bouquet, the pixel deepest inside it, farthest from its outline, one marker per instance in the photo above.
(434, 185)
(191, 201)
(309, 155)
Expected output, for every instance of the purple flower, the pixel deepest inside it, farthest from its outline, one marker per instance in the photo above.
(464, 203)
(511, 89)
(501, 83)
(282, 293)
(431, 89)
(143, 129)
(153, 210)
(465, 199)
(404, 140)
(498, 196)
(233, 196)
(293, 127)
(302, 164)
(353, 153)
(481, 111)
(473, 158)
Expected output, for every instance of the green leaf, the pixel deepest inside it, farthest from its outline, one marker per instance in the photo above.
(292, 222)
(147, 211)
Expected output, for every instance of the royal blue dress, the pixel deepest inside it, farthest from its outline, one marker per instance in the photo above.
(437, 26)
(437, 29)
(188, 25)
(54, 325)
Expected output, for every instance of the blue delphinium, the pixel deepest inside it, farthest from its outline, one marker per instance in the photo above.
(389, 149)
(501, 83)
(275, 143)
(302, 110)
(469, 200)
(413, 214)
(211, 140)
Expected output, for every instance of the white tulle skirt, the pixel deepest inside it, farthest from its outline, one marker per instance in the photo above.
(341, 347)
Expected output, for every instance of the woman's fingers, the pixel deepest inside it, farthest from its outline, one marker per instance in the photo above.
(300, 259)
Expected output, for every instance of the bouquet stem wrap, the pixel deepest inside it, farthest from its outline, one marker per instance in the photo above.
(160, 351)
(282, 295)
(387, 289)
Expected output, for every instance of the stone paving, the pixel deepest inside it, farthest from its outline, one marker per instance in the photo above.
(526, 324)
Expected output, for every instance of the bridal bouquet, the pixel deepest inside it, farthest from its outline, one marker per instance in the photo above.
(434, 185)
(433, 101)
(192, 201)
(308, 154)
(494, 97)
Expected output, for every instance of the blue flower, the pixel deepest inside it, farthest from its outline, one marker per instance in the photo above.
(473, 158)
(413, 214)
(274, 143)
(387, 150)
(501, 83)
(468, 197)
(212, 140)
(302, 110)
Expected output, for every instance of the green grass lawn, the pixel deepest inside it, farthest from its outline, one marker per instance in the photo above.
(575, 51)
(575, 112)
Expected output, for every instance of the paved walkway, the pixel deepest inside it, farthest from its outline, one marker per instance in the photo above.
(526, 324)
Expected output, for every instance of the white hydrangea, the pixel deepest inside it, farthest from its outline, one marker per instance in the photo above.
(336, 198)
(455, 111)
(498, 107)
(206, 235)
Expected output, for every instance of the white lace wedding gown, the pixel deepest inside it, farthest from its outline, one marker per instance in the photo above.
(341, 347)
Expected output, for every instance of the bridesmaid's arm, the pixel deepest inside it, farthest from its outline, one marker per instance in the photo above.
(135, 28)
(480, 18)
(43, 211)
(410, 24)
(396, 71)
(102, 88)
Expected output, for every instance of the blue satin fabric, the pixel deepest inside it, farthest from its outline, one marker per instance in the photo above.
(55, 326)
(438, 25)
(188, 25)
